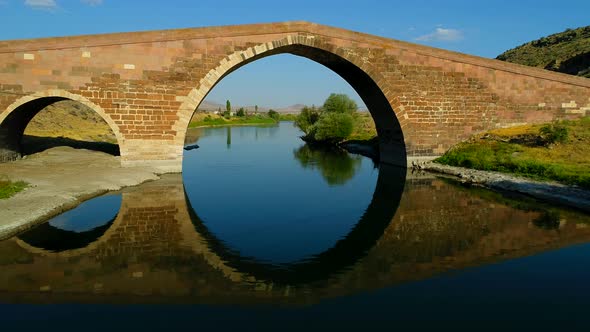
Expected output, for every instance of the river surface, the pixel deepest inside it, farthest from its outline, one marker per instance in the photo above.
(263, 232)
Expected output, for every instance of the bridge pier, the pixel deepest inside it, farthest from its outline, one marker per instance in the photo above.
(162, 155)
(9, 144)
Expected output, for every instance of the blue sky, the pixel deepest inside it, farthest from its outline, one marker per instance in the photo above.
(483, 28)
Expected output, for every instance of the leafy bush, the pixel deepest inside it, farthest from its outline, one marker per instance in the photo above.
(332, 123)
(307, 118)
(333, 127)
(339, 103)
(554, 133)
(274, 115)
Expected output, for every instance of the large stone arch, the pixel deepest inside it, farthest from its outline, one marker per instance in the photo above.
(17, 116)
(355, 68)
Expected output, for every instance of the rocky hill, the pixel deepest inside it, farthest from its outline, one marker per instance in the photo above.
(72, 120)
(566, 52)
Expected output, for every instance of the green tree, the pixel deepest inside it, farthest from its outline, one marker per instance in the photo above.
(273, 114)
(307, 118)
(241, 112)
(228, 106)
(332, 123)
(255, 109)
(333, 127)
(340, 103)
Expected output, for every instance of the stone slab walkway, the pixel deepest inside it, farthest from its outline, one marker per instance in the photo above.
(60, 179)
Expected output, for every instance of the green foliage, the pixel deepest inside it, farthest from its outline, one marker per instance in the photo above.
(554, 133)
(333, 127)
(227, 106)
(9, 188)
(333, 123)
(210, 121)
(339, 103)
(273, 114)
(241, 112)
(307, 118)
(566, 52)
(288, 117)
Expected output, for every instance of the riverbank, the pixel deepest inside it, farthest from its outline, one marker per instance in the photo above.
(59, 179)
(551, 192)
(218, 121)
(558, 151)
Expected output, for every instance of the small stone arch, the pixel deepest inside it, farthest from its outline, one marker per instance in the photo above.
(12, 125)
(388, 113)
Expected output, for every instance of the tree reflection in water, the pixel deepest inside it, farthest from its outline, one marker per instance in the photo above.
(336, 165)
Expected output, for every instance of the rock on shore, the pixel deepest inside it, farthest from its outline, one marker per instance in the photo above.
(552, 192)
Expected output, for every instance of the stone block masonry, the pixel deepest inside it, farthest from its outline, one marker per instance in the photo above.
(146, 85)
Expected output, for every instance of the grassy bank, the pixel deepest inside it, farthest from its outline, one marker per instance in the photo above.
(9, 188)
(559, 151)
(287, 117)
(71, 120)
(206, 120)
(364, 128)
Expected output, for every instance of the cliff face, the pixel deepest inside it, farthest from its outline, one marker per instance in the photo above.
(566, 52)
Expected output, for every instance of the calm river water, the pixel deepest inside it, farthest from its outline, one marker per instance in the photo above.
(262, 232)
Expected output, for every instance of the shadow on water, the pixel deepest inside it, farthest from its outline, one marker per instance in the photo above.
(347, 251)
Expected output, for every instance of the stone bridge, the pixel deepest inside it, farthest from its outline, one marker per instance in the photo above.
(146, 85)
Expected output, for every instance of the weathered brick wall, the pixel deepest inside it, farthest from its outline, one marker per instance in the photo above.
(146, 85)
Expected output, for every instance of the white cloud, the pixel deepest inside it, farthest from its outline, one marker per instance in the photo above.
(442, 34)
(92, 2)
(41, 4)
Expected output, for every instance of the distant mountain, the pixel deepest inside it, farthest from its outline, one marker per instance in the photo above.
(211, 106)
(566, 52)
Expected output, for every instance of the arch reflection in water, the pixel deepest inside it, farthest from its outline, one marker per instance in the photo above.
(260, 200)
(342, 254)
(76, 228)
(153, 249)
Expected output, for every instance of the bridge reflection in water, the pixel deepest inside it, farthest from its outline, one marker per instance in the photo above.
(157, 249)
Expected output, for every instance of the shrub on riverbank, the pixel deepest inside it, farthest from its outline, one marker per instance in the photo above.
(559, 151)
(9, 188)
(332, 123)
